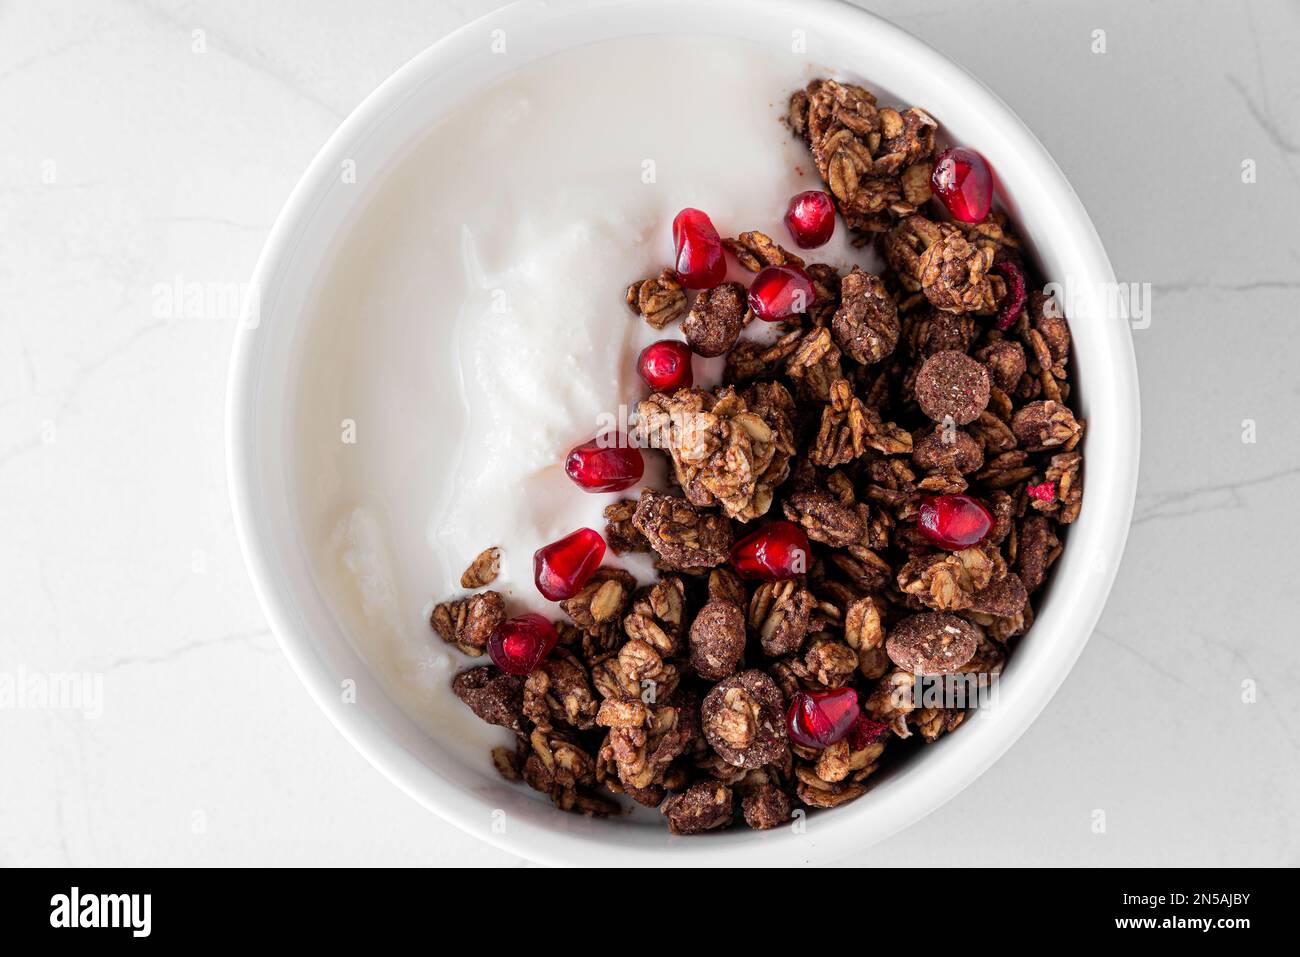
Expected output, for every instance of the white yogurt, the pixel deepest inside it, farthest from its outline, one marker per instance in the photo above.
(472, 328)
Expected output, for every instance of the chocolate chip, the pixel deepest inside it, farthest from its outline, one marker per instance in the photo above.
(952, 384)
(931, 643)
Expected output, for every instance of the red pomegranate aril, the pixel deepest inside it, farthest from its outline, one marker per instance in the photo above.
(1044, 492)
(817, 719)
(811, 218)
(518, 645)
(666, 365)
(865, 731)
(1014, 300)
(953, 522)
(962, 180)
(608, 463)
(774, 552)
(561, 568)
(779, 292)
(698, 247)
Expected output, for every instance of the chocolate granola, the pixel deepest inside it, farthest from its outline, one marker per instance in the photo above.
(937, 381)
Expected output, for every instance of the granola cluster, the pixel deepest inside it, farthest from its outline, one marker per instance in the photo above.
(730, 449)
(876, 161)
(885, 390)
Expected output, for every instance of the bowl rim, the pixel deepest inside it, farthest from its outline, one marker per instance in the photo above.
(1116, 489)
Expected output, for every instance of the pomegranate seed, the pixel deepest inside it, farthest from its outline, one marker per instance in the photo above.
(811, 218)
(608, 463)
(953, 521)
(1044, 492)
(700, 263)
(562, 568)
(1014, 300)
(817, 719)
(962, 180)
(775, 551)
(865, 731)
(666, 365)
(779, 292)
(518, 645)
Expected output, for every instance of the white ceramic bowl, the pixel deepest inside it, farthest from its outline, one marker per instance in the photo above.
(840, 37)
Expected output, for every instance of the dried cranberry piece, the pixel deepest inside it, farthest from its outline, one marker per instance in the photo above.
(1015, 298)
(962, 180)
(811, 218)
(865, 731)
(518, 645)
(779, 292)
(817, 719)
(1044, 491)
(953, 521)
(561, 568)
(607, 463)
(777, 550)
(666, 365)
(700, 263)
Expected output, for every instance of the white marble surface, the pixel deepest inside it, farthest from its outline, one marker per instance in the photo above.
(128, 160)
